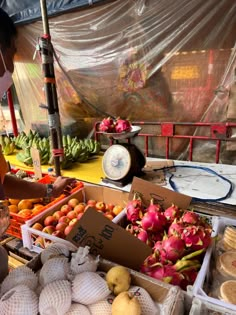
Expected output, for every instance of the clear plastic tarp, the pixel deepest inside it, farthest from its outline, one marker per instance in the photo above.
(154, 60)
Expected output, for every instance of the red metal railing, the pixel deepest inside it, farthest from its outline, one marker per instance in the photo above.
(217, 132)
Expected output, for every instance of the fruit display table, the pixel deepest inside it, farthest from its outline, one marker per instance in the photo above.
(90, 171)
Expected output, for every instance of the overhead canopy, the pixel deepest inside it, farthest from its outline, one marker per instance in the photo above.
(26, 11)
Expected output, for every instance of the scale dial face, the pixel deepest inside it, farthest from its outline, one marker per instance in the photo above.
(116, 162)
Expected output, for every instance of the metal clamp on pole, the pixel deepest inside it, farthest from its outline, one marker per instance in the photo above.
(46, 51)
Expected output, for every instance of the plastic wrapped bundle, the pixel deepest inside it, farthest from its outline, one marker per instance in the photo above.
(147, 304)
(21, 275)
(54, 269)
(88, 288)
(102, 307)
(54, 250)
(78, 309)
(55, 298)
(20, 300)
(82, 261)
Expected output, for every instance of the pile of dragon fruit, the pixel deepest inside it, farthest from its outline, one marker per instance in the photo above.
(179, 239)
(117, 125)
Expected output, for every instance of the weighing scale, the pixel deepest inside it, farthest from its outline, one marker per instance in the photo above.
(122, 161)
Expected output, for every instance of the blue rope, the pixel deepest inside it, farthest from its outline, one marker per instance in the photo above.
(208, 170)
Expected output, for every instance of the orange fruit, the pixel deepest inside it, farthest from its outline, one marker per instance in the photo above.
(14, 201)
(36, 200)
(37, 209)
(13, 208)
(25, 213)
(25, 204)
(37, 226)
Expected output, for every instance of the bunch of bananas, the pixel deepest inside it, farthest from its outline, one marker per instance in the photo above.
(8, 146)
(75, 150)
(42, 145)
(93, 146)
(24, 140)
(32, 140)
(78, 150)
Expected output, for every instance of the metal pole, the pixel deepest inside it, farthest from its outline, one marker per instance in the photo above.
(12, 112)
(46, 50)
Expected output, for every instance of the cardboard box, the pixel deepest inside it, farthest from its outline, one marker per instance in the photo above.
(169, 298)
(165, 197)
(109, 240)
(95, 192)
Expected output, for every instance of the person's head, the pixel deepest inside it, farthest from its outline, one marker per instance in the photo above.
(7, 42)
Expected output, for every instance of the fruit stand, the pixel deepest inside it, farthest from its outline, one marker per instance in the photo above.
(148, 226)
(193, 294)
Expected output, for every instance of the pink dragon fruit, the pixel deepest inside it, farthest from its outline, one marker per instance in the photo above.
(149, 262)
(132, 228)
(156, 237)
(166, 273)
(153, 221)
(173, 249)
(157, 248)
(172, 213)
(196, 237)
(122, 125)
(190, 217)
(176, 228)
(134, 209)
(153, 207)
(107, 125)
(143, 236)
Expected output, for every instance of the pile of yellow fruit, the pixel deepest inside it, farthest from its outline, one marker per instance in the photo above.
(26, 207)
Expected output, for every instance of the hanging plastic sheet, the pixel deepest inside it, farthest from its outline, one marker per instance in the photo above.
(146, 60)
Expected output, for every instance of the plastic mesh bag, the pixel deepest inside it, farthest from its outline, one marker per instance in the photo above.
(82, 261)
(147, 304)
(54, 269)
(54, 250)
(102, 307)
(88, 288)
(20, 300)
(21, 275)
(55, 298)
(78, 309)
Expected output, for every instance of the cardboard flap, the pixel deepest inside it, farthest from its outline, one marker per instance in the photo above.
(161, 195)
(109, 240)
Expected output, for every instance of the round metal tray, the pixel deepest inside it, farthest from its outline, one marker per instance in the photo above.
(124, 135)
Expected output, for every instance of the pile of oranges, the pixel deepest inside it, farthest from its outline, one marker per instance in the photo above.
(26, 207)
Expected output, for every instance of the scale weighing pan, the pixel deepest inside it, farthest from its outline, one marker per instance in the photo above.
(124, 135)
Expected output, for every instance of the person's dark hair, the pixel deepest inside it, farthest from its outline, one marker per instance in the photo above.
(7, 30)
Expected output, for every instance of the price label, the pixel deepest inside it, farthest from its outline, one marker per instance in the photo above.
(36, 162)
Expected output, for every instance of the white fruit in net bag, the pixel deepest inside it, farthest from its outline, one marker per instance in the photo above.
(102, 307)
(54, 269)
(21, 275)
(55, 298)
(54, 250)
(20, 300)
(82, 261)
(147, 304)
(88, 288)
(78, 309)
